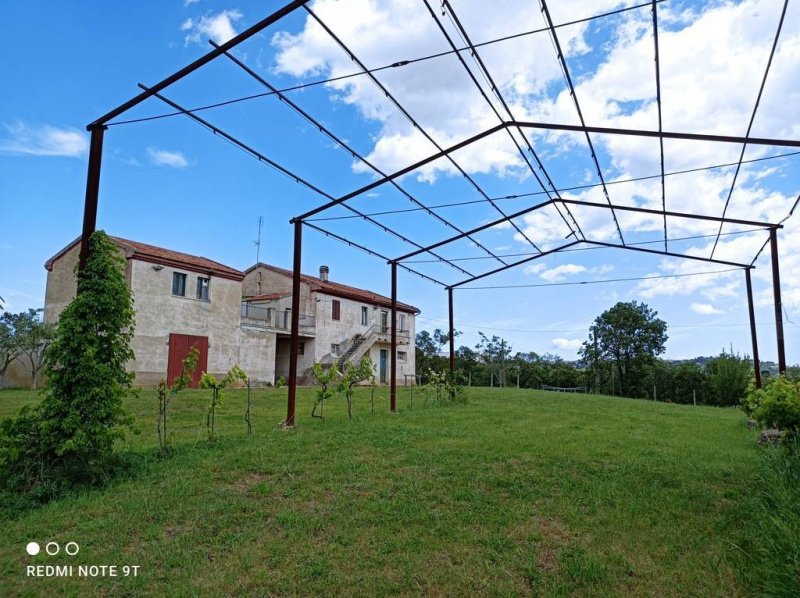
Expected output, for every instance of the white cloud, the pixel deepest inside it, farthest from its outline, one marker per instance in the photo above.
(561, 272)
(43, 140)
(535, 268)
(190, 2)
(705, 309)
(567, 344)
(218, 27)
(161, 157)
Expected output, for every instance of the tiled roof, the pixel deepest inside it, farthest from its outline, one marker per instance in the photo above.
(341, 290)
(266, 297)
(167, 257)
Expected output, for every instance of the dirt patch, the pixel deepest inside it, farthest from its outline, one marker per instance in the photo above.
(244, 484)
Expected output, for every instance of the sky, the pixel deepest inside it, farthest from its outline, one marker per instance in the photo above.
(173, 183)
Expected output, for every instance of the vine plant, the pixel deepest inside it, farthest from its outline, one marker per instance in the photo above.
(354, 375)
(167, 393)
(325, 377)
(208, 381)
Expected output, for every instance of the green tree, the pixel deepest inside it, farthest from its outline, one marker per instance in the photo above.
(33, 337)
(728, 375)
(629, 335)
(690, 383)
(70, 434)
(9, 342)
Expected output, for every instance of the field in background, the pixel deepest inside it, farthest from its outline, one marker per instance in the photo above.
(519, 491)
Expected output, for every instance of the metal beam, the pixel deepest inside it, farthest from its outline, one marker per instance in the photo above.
(233, 42)
(664, 134)
(540, 125)
(654, 10)
(451, 331)
(776, 291)
(407, 114)
(477, 229)
(752, 120)
(639, 210)
(670, 254)
(399, 173)
(393, 356)
(368, 251)
(563, 61)
(344, 145)
(262, 158)
(518, 263)
(92, 191)
(294, 339)
(753, 336)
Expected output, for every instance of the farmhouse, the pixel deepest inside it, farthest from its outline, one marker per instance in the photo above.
(232, 317)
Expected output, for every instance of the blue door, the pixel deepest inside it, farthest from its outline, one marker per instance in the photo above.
(384, 359)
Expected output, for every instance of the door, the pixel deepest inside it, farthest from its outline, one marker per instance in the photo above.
(384, 359)
(179, 347)
(384, 322)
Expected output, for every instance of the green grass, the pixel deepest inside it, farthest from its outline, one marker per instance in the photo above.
(516, 493)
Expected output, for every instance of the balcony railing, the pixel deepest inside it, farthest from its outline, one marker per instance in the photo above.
(272, 317)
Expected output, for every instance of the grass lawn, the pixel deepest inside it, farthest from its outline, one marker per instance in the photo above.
(519, 492)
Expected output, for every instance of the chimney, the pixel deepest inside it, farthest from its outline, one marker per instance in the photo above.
(323, 273)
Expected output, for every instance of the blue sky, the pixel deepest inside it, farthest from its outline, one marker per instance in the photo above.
(170, 182)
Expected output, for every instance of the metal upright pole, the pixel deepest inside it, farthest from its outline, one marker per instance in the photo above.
(393, 357)
(294, 341)
(753, 336)
(92, 190)
(776, 290)
(451, 332)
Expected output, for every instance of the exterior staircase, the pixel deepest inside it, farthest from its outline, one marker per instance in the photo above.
(357, 348)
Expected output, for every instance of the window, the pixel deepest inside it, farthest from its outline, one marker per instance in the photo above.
(301, 348)
(364, 315)
(336, 309)
(202, 287)
(179, 284)
(401, 356)
(402, 322)
(335, 350)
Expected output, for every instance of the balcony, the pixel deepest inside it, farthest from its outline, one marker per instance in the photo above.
(278, 320)
(383, 334)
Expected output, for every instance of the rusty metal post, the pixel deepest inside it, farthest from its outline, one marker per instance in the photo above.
(393, 356)
(92, 190)
(295, 334)
(451, 332)
(753, 336)
(776, 291)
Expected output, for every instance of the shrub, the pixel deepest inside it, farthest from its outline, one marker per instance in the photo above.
(776, 405)
(68, 438)
(445, 389)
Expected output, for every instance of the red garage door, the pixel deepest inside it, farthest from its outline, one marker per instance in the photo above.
(179, 346)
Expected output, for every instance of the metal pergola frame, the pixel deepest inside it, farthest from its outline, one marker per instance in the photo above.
(507, 124)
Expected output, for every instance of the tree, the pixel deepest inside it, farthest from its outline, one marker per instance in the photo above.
(494, 351)
(33, 337)
(629, 335)
(9, 345)
(71, 433)
(727, 377)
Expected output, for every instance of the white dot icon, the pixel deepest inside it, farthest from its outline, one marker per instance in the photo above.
(32, 548)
